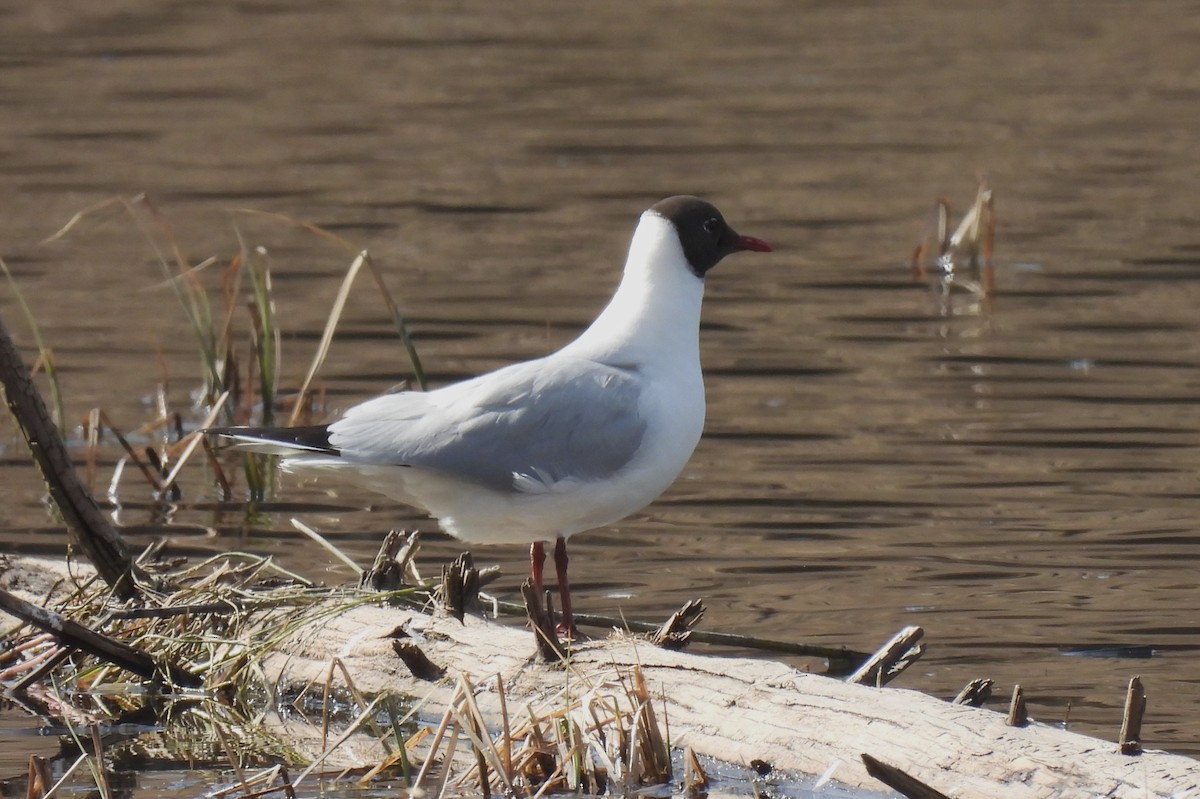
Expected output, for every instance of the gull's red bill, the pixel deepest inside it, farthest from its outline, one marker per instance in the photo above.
(751, 243)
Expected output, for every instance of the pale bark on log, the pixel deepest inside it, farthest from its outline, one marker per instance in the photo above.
(740, 709)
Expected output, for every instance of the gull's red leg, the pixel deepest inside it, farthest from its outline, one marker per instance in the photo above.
(567, 625)
(537, 559)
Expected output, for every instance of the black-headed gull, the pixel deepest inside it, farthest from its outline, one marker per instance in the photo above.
(548, 448)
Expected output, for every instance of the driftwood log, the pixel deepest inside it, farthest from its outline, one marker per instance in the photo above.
(733, 709)
(741, 709)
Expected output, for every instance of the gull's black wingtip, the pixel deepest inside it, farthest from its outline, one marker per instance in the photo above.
(312, 438)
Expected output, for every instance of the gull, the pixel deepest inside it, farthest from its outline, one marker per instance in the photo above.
(541, 450)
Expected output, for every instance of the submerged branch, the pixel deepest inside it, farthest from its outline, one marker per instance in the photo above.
(73, 634)
(88, 527)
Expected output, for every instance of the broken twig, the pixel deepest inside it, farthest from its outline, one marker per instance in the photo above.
(1131, 722)
(900, 781)
(892, 658)
(549, 647)
(1018, 715)
(975, 693)
(676, 631)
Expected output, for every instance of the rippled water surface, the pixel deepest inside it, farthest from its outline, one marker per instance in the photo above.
(1019, 477)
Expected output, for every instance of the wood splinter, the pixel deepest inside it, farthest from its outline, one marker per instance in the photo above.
(892, 658)
(676, 631)
(695, 780)
(975, 693)
(387, 572)
(549, 647)
(1131, 722)
(418, 663)
(900, 781)
(1018, 715)
(459, 591)
(40, 781)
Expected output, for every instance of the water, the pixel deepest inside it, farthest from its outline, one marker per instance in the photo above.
(1020, 480)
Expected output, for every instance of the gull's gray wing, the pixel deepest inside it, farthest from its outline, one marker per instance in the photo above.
(528, 425)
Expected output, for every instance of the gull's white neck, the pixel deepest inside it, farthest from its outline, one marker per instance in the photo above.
(655, 313)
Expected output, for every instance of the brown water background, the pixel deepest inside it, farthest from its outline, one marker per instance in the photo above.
(1021, 481)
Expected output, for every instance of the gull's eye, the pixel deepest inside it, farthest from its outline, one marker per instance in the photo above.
(712, 225)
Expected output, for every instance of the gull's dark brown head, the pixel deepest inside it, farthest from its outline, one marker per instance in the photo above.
(704, 234)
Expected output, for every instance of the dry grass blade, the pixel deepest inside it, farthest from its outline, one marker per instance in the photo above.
(187, 275)
(195, 439)
(397, 319)
(943, 225)
(92, 441)
(87, 212)
(183, 280)
(502, 694)
(337, 553)
(438, 789)
(399, 323)
(359, 699)
(231, 755)
(335, 315)
(363, 718)
(100, 772)
(266, 333)
(475, 727)
(969, 232)
(401, 754)
(218, 471)
(93, 759)
(437, 739)
(70, 772)
(150, 475)
(300, 223)
(485, 751)
(247, 784)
